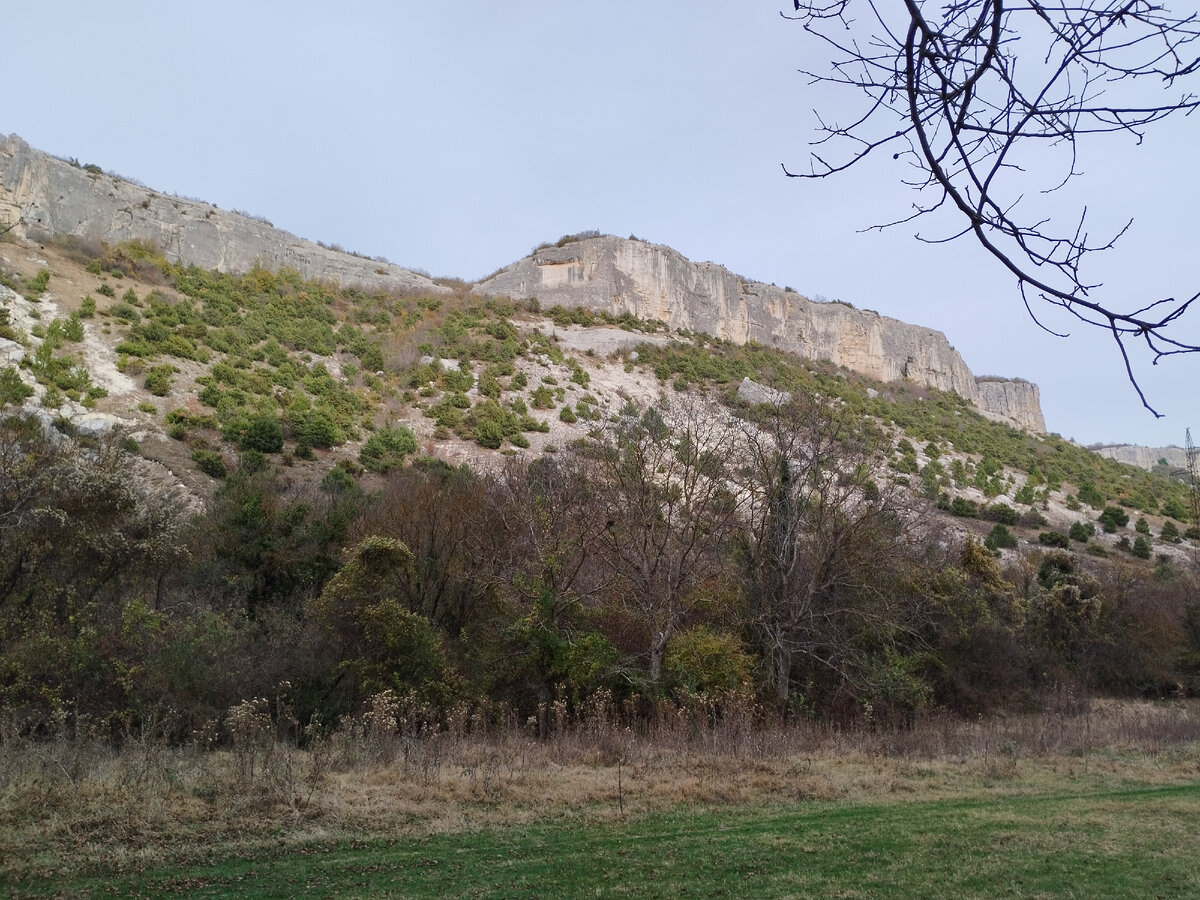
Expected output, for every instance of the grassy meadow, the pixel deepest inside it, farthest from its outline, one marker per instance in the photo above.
(1100, 801)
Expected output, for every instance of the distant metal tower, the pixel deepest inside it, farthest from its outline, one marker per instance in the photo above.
(1193, 470)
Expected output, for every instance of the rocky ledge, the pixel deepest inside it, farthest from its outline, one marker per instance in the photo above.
(652, 281)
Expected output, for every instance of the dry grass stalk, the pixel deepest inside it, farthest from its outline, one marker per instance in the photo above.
(71, 801)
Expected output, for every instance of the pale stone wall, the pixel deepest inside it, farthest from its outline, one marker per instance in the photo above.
(1145, 457)
(655, 282)
(55, 197)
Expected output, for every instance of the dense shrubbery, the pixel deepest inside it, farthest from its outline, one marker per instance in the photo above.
(930, 416)
(509, 590)
(516, 589)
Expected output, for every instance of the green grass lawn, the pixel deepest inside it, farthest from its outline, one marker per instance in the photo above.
(1127, 842)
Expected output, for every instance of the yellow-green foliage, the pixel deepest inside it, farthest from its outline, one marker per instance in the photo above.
(381, 644)
(703, 660)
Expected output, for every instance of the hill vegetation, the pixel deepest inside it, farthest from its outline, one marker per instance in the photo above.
(641, 560)
(453, 532)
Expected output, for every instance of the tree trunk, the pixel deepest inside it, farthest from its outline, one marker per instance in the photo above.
(783, 675)
(658, 649)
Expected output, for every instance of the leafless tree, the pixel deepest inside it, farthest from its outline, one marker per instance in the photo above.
(987, 101)
(662, 486)
(546, 536)
(820, 537)
(444, 518)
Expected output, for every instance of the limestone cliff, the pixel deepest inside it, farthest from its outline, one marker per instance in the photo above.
(1018, 400)
(1144, 457)
(52, 196)
(652, 281)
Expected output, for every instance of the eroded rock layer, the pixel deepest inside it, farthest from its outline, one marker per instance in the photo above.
(53, 196)
(655, 282)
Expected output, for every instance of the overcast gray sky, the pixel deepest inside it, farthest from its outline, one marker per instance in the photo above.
(454, 137)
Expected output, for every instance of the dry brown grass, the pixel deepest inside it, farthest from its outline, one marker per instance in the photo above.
(74, 804)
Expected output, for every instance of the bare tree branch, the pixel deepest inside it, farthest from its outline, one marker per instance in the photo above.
(979, 95)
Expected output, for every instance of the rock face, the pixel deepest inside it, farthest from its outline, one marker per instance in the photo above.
(1144, 457)
(53, 196)
(1017, 400)
(655, 282)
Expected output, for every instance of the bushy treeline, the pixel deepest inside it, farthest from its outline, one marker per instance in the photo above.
(677, 552)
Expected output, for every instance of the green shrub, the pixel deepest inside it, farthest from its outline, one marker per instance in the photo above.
(1169, 532)
(1025, 496)
(489, 424)
(457, 380)
(73, 329)
(703, 660)
(1082, 531)
(386, 448)
(1142, 526)
(126, 313)
(1176, 509)
(1054, 539)
(38, 284)
(489, 433)
(1141, 547)
(489, 386)
(1000, 538)
(1031, 518)
(1113, 518)
(961, 506)
(1002, 513)
(13, 391)
(542, 397)
(159, 379)
(314, 427)
(264, 434)
(1089, 494)
(252, 461)
(210, 463)
(566, 414)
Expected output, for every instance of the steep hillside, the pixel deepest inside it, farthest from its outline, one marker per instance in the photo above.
(651, 281)
(203, 349)
(220, 486)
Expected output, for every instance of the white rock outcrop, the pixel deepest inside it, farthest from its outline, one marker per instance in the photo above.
(53, 196)
(652, 281)
(1144, 457)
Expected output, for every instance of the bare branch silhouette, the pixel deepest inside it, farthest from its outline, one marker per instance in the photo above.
(979, 97)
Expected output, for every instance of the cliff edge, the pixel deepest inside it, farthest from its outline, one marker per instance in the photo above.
(653, 281)
(52, 196)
